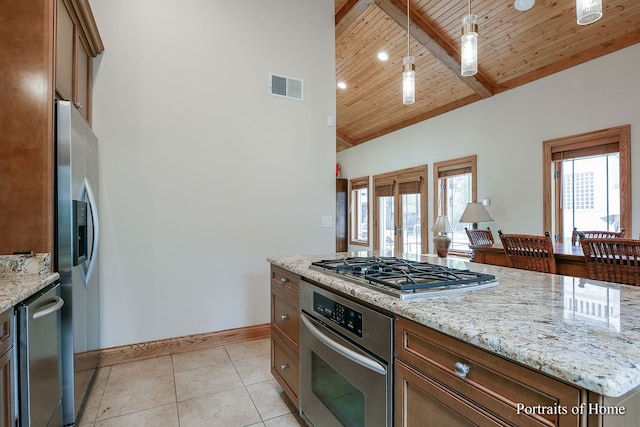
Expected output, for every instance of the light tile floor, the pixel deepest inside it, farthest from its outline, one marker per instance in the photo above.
(226, 386)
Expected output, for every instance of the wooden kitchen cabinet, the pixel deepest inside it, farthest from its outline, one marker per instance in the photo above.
(37, 66)
(426, 383)
(73, 61)
(285, 332)
(7, 414)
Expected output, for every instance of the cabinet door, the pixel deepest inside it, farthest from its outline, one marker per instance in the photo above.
(6, 369)
(6, 391)
(82, 80)
(285, 368)
(64, 52)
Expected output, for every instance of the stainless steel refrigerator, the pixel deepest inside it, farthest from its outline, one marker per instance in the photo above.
(77, 242)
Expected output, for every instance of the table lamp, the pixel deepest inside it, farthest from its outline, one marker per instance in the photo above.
(441, 241)
(474, 213)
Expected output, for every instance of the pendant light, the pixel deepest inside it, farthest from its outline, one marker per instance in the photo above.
(408, 72)
(469, 44)
(588, 11)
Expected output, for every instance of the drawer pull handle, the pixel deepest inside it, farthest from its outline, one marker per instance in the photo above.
(284, 366)
(283, 280)
(461, 369)
(284, 316)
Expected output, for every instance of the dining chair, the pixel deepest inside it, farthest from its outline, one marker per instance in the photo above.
(612, 260)
(529, 252)
(596, 235)
(480, 237)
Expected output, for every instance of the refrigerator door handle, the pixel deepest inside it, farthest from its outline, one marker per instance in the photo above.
(96, 230)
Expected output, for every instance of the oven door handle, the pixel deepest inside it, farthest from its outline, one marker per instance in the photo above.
(358, 358)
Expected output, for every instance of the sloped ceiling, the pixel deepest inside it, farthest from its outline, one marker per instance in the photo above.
(514, 48)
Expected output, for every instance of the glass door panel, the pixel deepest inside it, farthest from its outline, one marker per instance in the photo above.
(411, 230)
(458, 195)
(341, 397)
(590, 194)
(386, 225)
(400, 212)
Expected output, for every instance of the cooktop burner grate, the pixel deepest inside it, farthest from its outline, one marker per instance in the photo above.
(405, 278)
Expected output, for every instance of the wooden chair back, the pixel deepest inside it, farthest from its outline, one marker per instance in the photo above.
(480, 237)
(595, 234)
(529, 252)
(612, 260)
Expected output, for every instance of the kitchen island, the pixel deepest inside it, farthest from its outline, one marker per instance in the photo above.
(581, 332)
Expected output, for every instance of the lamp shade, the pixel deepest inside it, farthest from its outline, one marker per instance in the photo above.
(408, 80)
(588, 11)
(475, 212)
(469, 46)
(442, 225)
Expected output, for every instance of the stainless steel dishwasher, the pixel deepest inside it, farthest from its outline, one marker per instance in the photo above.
(39, 364)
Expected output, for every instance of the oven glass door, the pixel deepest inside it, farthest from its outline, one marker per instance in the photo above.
(341, 385)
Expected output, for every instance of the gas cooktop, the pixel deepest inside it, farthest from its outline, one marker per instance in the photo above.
(405, 279)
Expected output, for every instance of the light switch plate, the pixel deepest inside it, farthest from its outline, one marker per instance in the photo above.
(327, 220)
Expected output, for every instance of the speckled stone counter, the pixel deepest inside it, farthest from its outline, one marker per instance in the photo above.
(583, 332)
(23, 275)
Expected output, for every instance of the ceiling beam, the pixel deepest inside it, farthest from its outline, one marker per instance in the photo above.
(413, 120)
(349, 13)
(436, 45)
(342, 139)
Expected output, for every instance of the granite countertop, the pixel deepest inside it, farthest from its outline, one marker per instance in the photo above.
(555, 324)
(22, 276)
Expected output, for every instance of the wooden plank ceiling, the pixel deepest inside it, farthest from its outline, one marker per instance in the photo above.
(514, 48)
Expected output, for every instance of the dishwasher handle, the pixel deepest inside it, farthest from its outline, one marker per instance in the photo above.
(360, 359)
(52, 307)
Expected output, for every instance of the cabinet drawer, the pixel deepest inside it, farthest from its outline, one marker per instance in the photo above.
(492, 382)
(285, 281)
(285, 317)
(285, 368)
(6, 338)
(424, 399)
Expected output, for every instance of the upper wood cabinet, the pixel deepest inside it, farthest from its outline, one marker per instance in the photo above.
(74, 50)
(46, 53)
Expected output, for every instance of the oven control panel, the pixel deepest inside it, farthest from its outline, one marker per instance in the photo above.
(345, 317)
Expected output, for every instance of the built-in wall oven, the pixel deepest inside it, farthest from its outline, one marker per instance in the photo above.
(346, 361)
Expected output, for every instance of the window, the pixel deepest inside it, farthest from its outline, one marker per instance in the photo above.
(578, 187)
(400, 208)
(587, 182)
(455, 186)
(359, 211)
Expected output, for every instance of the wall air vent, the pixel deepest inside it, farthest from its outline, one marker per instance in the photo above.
(286, 87)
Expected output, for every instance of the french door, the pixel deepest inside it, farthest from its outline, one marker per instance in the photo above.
(400, 206)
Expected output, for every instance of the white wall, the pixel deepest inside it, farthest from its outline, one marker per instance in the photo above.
(203, 174)
(506, 132)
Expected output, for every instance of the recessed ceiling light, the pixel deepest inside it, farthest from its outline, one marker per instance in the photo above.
(342, 85)
(523, 5)
(383, 56)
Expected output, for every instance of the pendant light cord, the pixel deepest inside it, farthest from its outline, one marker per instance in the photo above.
(408, 44)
